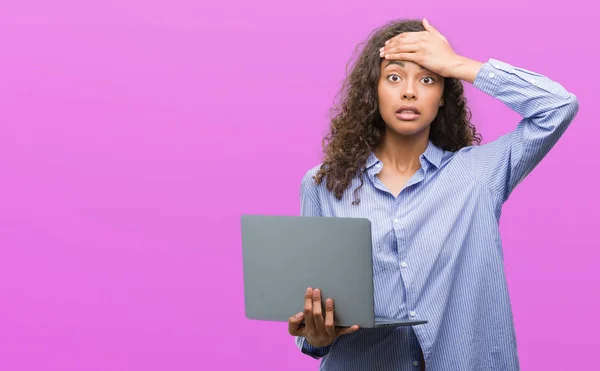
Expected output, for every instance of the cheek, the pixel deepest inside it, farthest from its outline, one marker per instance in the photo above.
(385, 96)
(439, 93)
(433, 100)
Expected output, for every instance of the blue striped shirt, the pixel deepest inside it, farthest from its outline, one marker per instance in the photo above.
(437, 252)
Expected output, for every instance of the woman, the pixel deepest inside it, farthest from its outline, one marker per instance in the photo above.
(403, 153)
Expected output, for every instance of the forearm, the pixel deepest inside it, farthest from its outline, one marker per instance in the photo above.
(533, 96)
(546, 108)
(466, 69)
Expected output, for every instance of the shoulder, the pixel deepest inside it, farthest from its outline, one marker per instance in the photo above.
(308, 181)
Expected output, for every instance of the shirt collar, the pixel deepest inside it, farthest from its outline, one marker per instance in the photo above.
(432, 153)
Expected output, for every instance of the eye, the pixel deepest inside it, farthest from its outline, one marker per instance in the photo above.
(429, 79)
(394, 78)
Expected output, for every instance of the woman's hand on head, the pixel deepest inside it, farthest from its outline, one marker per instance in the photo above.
(428, 48)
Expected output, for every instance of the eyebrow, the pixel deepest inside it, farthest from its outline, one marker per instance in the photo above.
(400, 63)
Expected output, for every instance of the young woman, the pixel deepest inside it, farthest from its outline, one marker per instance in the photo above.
(403, 153)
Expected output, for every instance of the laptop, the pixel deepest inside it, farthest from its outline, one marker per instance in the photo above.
(284, 255)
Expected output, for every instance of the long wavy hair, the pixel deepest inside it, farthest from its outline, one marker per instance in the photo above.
(356, 128)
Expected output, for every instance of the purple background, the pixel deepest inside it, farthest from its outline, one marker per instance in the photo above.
(134, 133)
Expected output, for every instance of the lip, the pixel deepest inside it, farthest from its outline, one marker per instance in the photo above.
(408, 116)
(410, 108)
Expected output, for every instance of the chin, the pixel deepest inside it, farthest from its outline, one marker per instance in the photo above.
(407, 128)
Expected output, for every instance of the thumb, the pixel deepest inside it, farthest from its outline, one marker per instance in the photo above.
(346, 330)
(294, 324)
(430, 28)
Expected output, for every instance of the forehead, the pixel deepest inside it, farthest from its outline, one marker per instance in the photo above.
(402, 65)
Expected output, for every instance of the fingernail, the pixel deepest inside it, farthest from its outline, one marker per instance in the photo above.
(317, 292)
(308, 291)
(299, 315)
(382, 49)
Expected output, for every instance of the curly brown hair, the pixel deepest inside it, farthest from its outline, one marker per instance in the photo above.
(356, 129)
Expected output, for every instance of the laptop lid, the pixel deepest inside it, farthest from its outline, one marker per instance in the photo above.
(283, 255)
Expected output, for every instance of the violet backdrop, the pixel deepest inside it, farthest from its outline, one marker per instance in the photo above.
(133, 135)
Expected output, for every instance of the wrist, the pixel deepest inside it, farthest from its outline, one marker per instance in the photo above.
(465, 69)
(317, 344)
(314, 351)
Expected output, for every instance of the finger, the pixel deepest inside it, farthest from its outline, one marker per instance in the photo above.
(346, 330)
(294, 323)
(401, 48)
(308, 310)
(318, 312)
(392, 40)
(403, 37)
(408, 38)
(329, 320)
(409, 57)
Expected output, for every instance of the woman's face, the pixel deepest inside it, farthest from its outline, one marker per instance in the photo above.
(409, 96)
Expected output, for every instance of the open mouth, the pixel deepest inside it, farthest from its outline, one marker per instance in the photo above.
(408, 113)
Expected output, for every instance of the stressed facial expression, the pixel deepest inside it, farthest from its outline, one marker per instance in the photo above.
(409, 96)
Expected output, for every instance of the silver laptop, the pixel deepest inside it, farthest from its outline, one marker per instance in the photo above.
(284, 255)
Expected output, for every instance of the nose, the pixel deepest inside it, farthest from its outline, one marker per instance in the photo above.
(409, 91)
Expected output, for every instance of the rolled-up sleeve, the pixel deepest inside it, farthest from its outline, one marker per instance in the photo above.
(547, 109)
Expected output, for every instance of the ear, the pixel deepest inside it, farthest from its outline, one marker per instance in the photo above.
(441, 102)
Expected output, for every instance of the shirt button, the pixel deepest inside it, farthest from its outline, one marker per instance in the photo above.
(413, 313)
(492, 74)
(416, 363)
(396, 221)
(404, 265)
